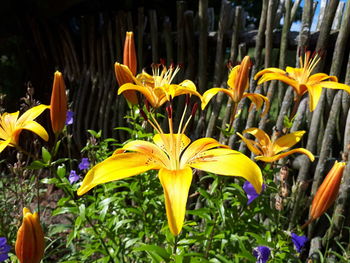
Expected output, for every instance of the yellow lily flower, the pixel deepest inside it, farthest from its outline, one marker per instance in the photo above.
(11, 126)
(301, 80)
(174, 156)
(270, 151)
(238, 83)
(158, 88)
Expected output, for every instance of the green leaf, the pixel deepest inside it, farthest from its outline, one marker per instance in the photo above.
(37, 165)
(158, 254)
(61, 171)
(45, 155)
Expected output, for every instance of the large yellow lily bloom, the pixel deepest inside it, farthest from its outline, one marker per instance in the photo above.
(270, 151)
(238, 83)
(158, 88)
(11, 126)
(301, 80)
(173, 156)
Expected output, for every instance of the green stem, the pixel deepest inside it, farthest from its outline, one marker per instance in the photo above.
(211, 236)
(175, 244)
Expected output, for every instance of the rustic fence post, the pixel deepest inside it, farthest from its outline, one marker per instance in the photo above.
(219, 65)
(203, 45)
(154, 35)
(140, 34)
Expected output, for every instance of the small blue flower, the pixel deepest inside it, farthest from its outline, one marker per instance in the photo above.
(84, 164)
(299, 241)
(261, 253)
(69, 117)
(250, 191)
(73, 177)
(4, 249)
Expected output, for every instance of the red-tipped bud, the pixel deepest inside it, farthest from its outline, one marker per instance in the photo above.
(30, 243)
(143, 114)
(169, 110)
(148, 106)
(187, 99)
(194, 109)
(129, 58)
(58, 105)
(328, 191)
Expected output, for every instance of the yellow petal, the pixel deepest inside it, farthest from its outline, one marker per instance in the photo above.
(37, 129)
(197, 147)
(287, 141)
(269, 70)
(232, 76)
(167, 142)
(282, 155)
(277, 76)
(260, 135)
(231, 163)
(147, 148)
(239, 78)
(146, 91)
(31, 114)
(315, 92)
(258, 100)
(209, 94)
(176, 184)
(4, 144)
(116, 167)
(318, 77)
(252, 145)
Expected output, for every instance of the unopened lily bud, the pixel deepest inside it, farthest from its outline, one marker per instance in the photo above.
(328, 191)
(129, 56)
(30, 239)
(58, 105)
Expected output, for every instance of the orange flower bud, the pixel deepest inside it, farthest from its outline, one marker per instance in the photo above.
(129, 58)
(58, 105)
(30, 239)
(328, 191)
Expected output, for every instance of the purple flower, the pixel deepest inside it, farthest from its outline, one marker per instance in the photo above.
(250, 191)
(69, 117)
(84, 164)
(299, 241)
(261, 253)
(4, 249)
(73, 177)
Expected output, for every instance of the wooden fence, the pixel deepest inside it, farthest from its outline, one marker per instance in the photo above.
(85, 49)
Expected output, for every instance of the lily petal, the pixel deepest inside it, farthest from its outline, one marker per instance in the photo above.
(197, 147)
(287, 141)
(116, 167)
(260, 135)
(164, 141)
(176, 184)
(209, 94)
(252, 145)
(318, 77)
(231, 163)
(123, 76)
(147, 148)
(31, 114)
(282, 155)
(146, 91)
(259, 100)
(315, 92)
(36, 128)
(4, 144)
(277, 76)
(269, 70)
